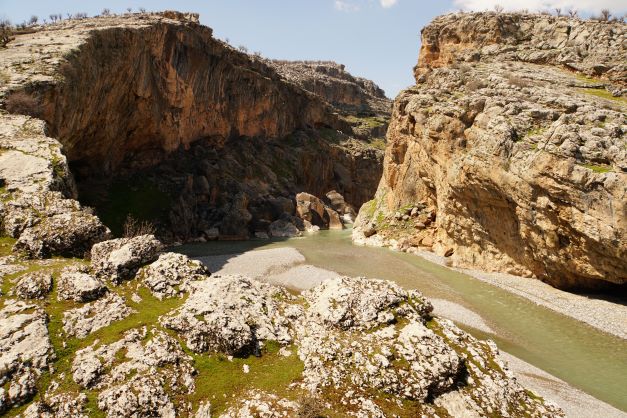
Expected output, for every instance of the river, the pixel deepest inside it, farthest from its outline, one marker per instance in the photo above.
(585, 357)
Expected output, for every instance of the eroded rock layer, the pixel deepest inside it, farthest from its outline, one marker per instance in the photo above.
(504, 159)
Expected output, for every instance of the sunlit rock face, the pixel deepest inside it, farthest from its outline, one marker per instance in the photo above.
(511, 149)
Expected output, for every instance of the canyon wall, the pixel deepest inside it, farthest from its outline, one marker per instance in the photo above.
(509, 152)
(160, 120)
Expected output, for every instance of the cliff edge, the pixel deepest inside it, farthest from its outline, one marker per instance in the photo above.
(509, 152)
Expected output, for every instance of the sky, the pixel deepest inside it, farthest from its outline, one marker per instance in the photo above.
(375, 39)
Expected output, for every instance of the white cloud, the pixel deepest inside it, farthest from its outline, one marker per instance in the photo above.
(585, 6)
(387, 3)
(345, 6)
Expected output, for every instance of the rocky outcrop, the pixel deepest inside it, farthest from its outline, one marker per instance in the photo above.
(195, 136)
(333, 83)
(517, 162)
(231, 314)
(119, 259)
(172, 274)
(25, 351)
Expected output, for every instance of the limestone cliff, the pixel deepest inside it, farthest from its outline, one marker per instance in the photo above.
(503, 157)
(132, 97)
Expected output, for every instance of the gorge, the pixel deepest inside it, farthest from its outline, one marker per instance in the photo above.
(123, 137)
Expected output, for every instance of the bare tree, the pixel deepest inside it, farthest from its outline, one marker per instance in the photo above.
(106, 12)
(573, 13)
(605, 15)
(129, 10)
(6, 32)
(69, 15)
(498, 8)
(243, 49)
(33, 20)
(142, 10)
(558, 11)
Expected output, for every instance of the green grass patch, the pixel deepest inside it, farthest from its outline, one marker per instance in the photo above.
(536, 131)
(597, 168)
(604, 94)
(378, 143)
(370, 122)
(6, 243)
(217, 376)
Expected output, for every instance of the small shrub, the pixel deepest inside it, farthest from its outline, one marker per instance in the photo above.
(243, 49)
(106, 12)
(133, 227)
(498, 8)
(23, 103)
(310, 407)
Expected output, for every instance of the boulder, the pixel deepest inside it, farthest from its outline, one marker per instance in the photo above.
(231, 314)
(313, 210)
(284, 229)
(172, 274)
(34, 285)
(69, 234)
(119, 259)
(79, 286)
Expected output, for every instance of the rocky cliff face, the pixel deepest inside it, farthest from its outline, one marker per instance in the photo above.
(129, 97)
(509, 152)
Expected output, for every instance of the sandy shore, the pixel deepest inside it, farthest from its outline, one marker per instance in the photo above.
(575, 403)
(606, 316)
(287, 267)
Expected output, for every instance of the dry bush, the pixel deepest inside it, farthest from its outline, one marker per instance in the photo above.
(6, 32)
(517, 81)
(475, 85)
(310, 407)
(23, 103)
(134, 227)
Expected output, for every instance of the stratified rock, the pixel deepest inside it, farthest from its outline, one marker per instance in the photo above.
(283, 229)
(79, 286)
(34, 285)
(119, 259)
(231, 314)
(80, 322)
(25, 351)
(522, 161)
(172, 274)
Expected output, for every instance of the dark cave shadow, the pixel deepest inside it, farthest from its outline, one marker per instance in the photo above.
(616, 294)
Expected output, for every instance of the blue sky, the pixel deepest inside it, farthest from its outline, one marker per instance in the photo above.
(376, 39)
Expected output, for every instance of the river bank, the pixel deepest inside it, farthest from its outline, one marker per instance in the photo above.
(599, 313)
(287, 266)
